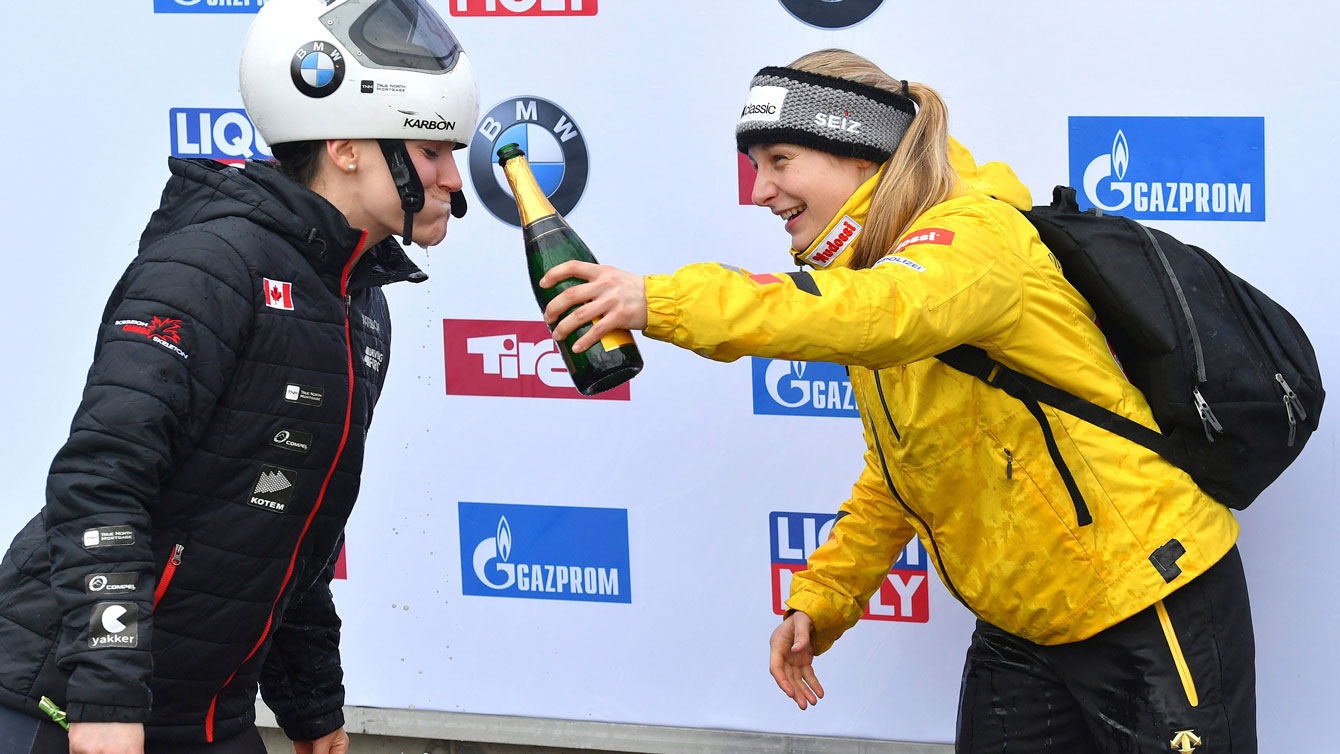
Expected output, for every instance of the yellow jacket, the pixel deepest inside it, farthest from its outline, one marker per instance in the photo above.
(949, 458)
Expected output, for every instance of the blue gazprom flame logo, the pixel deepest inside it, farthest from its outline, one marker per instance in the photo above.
(497, 548)
(1106, 166)
(1165, 168)
(802, 388)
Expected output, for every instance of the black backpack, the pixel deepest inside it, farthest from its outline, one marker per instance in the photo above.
(1231, 377)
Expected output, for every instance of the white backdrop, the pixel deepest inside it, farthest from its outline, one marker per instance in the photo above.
(654, 89)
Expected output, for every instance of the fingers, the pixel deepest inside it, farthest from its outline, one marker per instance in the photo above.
(569, 269)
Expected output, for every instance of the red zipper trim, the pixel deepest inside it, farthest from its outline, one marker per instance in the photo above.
(168, 571)
(344, 438)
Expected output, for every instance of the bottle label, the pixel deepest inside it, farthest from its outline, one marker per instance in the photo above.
(616, 339)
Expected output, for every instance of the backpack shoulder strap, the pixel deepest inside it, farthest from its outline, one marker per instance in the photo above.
(974, 361)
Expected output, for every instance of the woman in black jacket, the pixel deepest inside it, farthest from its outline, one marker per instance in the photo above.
(194, 516)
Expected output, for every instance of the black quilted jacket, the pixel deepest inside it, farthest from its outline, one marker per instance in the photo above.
(193, 517)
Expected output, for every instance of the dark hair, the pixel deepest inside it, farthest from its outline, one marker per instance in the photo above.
(299, 160)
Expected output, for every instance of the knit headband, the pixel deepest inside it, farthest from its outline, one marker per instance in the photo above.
(831, 114)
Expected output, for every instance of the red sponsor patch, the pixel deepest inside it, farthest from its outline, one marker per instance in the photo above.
(938, 236)
(278, 294)
(509, 358)
(522, 7)
(765, 278)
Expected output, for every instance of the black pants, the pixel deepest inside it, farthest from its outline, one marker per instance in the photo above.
(23, 734)
(1178, 677)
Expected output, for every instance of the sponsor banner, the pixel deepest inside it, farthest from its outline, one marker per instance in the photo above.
(554, 147)
(544, 552)
(904, 596)
(223, 134)
(745, 174)
(802, 388)
(523, 7)
(509, 358)
(1158, 168)
(207, 6)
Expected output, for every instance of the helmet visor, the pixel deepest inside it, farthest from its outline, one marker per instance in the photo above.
(403, 34)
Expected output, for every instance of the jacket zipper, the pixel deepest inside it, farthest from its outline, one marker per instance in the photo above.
(1207, 418)
(1179, 659)
(884, 467)
(339, 451)
(1293, 407)
(1009, 464)
(168, 572)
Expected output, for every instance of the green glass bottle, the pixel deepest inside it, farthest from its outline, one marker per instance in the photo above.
(551, 241)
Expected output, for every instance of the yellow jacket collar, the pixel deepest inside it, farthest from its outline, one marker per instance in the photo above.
(835, 246)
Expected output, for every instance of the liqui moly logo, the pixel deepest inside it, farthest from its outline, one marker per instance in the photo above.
(833, 244)
(509, 358)
(904, 596)
(226, 135)
(523, 7)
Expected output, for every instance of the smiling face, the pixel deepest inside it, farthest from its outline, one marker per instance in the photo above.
(805, 187)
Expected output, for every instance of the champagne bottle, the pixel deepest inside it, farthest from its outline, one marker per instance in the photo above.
(550, 241)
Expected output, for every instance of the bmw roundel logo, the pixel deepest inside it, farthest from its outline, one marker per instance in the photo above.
(317, 69)
(831, 14)
(554, 147)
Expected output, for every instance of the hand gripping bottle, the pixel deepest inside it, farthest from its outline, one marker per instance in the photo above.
(550, 241)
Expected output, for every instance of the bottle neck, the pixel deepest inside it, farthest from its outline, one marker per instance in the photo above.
(530, 199)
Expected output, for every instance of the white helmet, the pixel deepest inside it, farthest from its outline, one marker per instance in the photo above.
(356, 69)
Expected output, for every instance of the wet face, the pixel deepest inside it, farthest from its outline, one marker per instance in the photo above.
(435, 162)
(805, 187)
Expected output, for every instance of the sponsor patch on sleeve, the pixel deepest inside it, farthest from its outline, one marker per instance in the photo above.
(938, 236)
(904, 261)
(165, 331)
(114, 625)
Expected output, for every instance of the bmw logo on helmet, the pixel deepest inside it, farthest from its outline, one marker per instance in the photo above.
(831, 14)
(317, 69)
(554, 147)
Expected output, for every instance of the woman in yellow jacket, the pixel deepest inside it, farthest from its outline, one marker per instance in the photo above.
(1113, 611)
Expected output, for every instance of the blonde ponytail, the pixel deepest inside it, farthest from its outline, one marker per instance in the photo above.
(918, 175)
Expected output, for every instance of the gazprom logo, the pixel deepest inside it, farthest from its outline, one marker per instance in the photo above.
(802, 388)
(1170, 168)
(207, 6)
(545, 552)
(226, 135)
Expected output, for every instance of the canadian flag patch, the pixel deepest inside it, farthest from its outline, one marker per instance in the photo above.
(278, 294)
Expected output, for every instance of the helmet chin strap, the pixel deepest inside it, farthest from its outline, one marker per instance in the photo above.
(408, 185)
(407, 182)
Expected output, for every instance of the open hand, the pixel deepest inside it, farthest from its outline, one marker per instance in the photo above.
(791, 659)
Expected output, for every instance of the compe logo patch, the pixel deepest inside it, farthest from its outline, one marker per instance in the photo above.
(904, 596)
(1160, 168)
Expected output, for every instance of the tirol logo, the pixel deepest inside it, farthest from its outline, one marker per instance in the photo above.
(218, 134)
(509, 358)
(317, 68)
(1152, 168)
(114, 624)
(522, 7)
(831, 14)
(904, 595)
(554, 147)
(208, 6)
(802, 388)
(545, 552)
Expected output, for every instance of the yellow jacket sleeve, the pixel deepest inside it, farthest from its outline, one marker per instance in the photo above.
(927, 299)
(845, 571)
